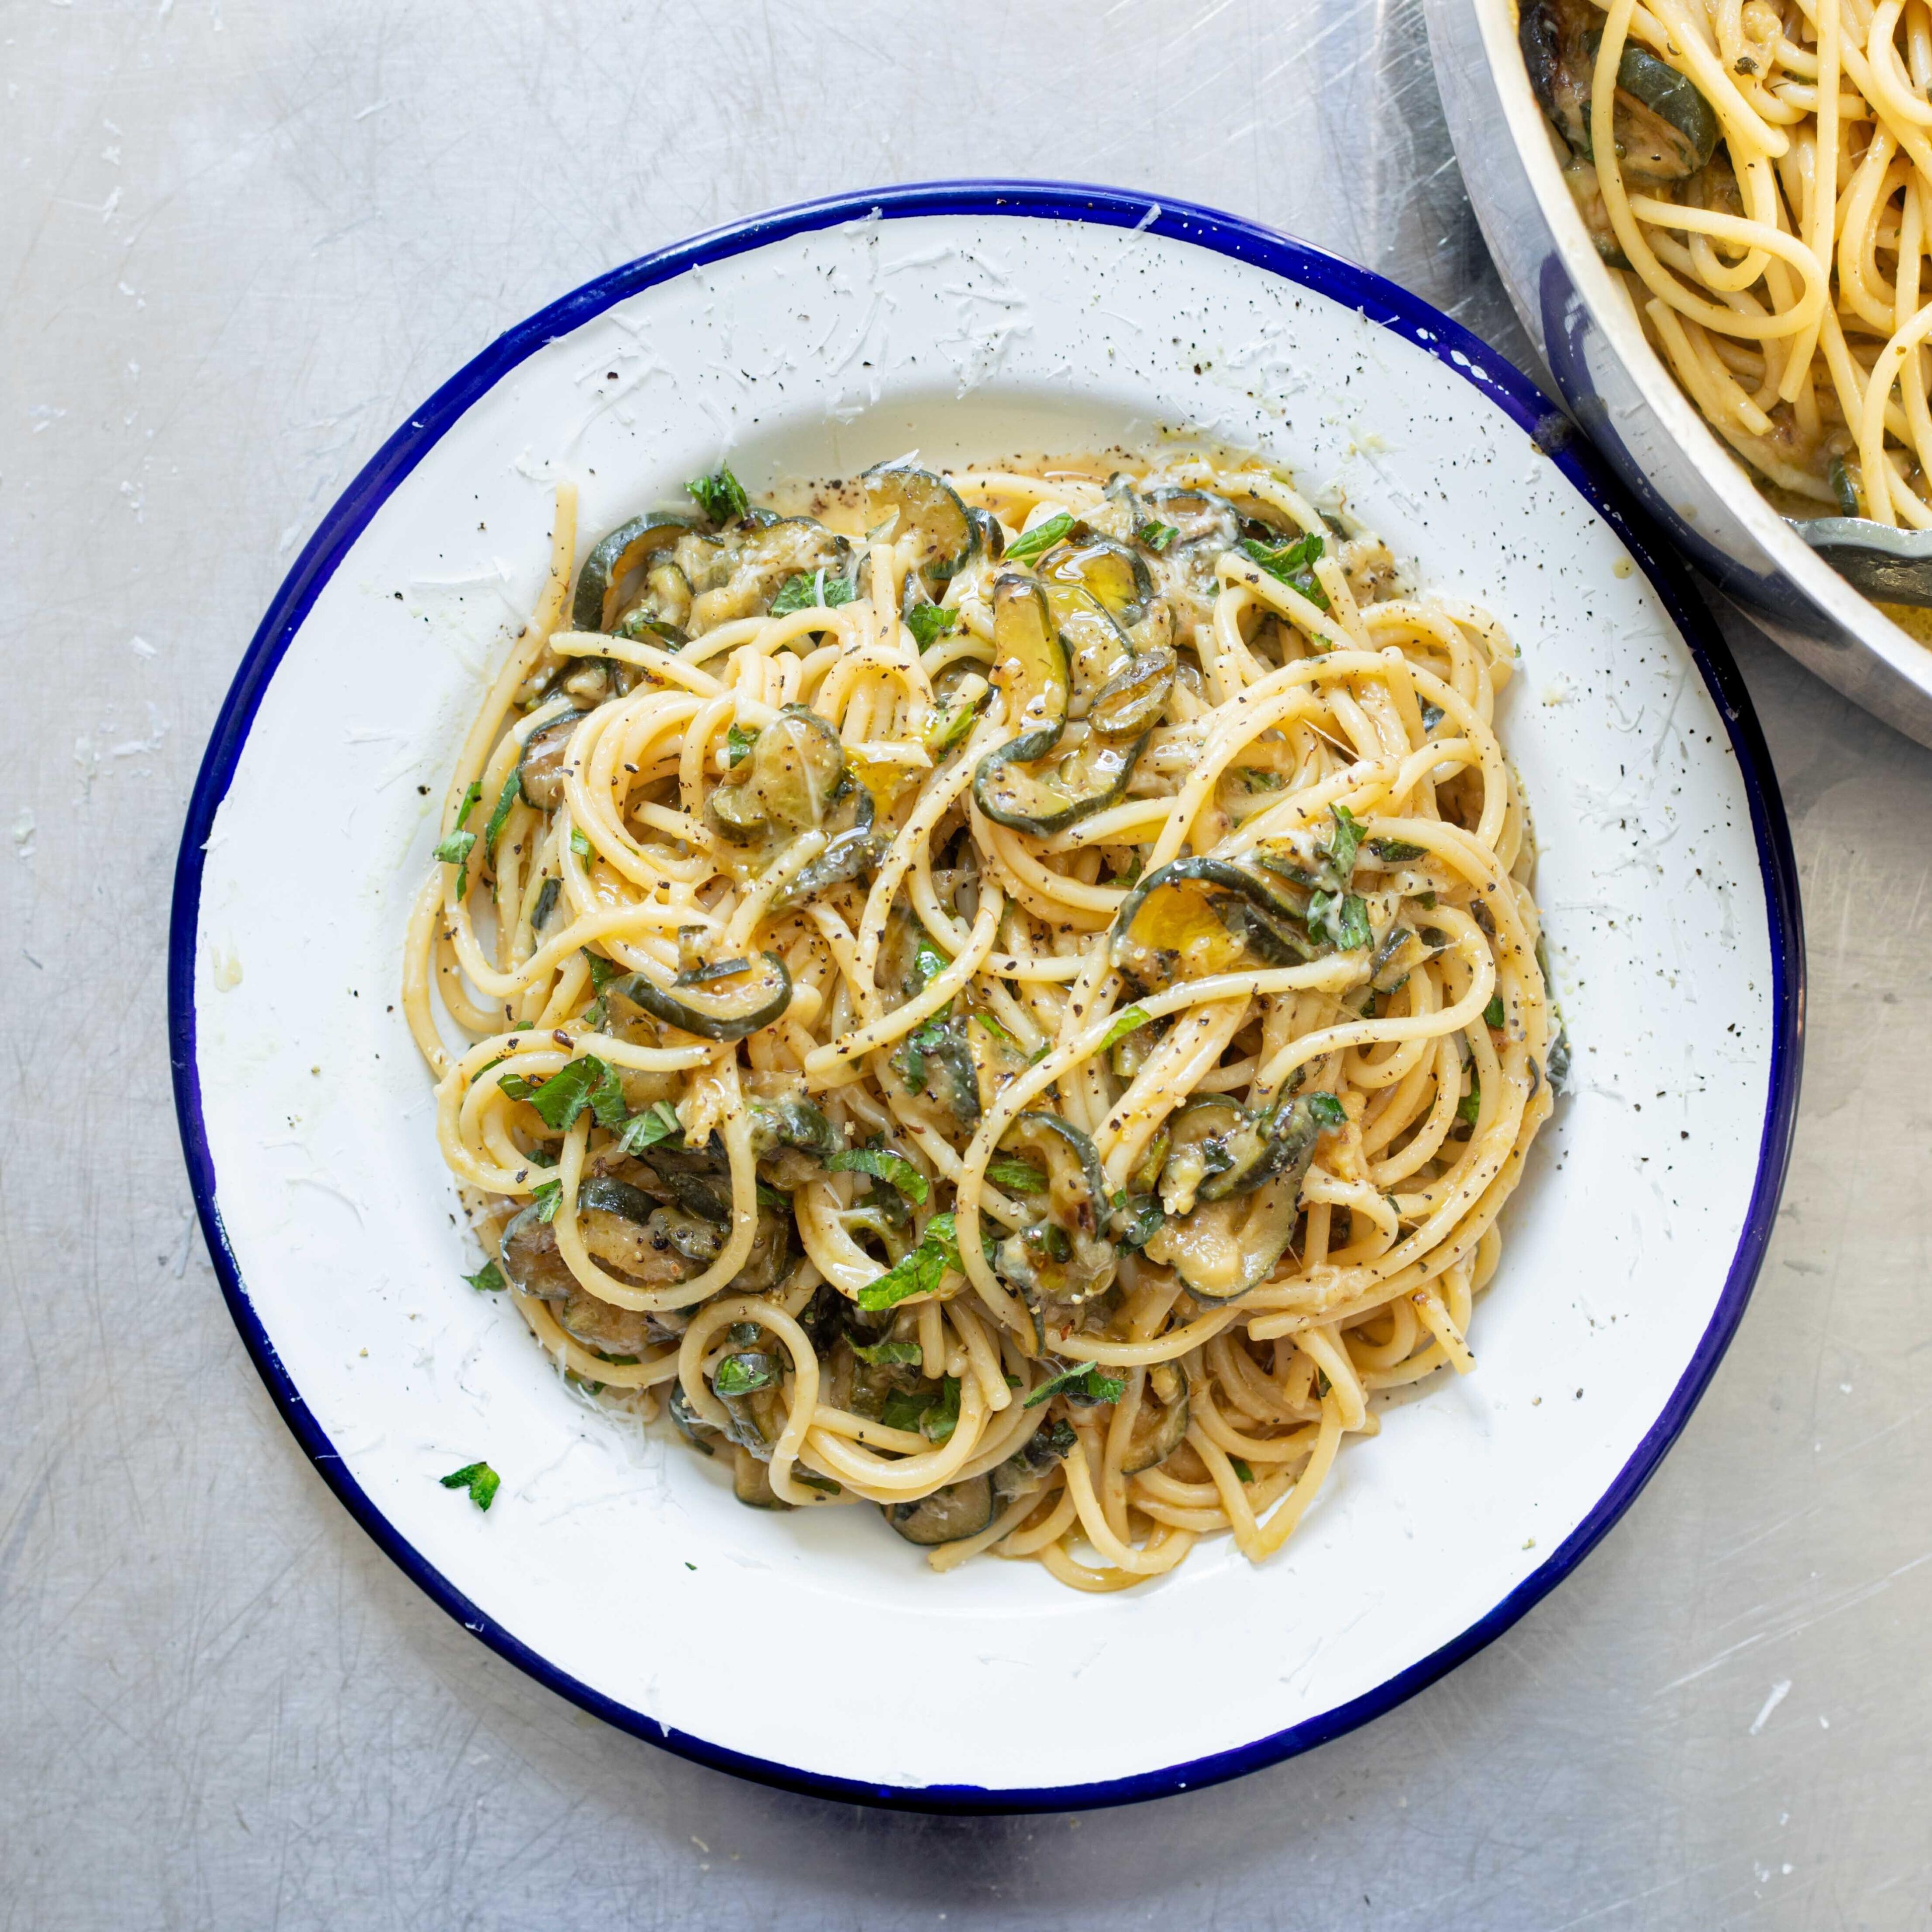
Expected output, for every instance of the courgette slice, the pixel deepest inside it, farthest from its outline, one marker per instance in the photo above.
(1202, 521)
(1028, 1466)
(540, 772)
(728, 1001)
(992, 534)
(1030, 665)
(1197, 916)
(901, 499)
(1117, 579)
(1040, 797)
(600, 583)
(1076, 1185)
(1665, 128)
(1135, 699)
(1158, 1429)
(752, 1478)
(1096, 647)
(958, 1511)
(1219, 1149)
(1224, 1248)
(1061, 1258)
(660, 614)
(796, 768)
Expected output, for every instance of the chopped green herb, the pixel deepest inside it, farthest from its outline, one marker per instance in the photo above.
(882, 1165)
(738, 744)
(1240, 1468)
(1343, 919)
(478, 1478)
(720, 495)
(1471, 1104)
(579, 844)
(500, 816)
(1004, 1171)
(588, 1082)
(469, 799)
(1155, 536)
(1492, 1014)
(540, 1157)
(1329, 1110)
(1426, 900)
(657, 1122)
(1344, 842)
(1085, 1379)
(812, 590)
(1037, 542)
(1432, 714)
(998, 1032)
(1256, 779)
(488, 1280)
(1129, 1019)
(455, 850)
(545, 1197)
(928, 963)
(745, 1372)
(929, 622)
(1292, 564)
(1395, 851)
(920, 1272)
(514, 1085)
(602, 971)
(942, 1417)
(812, 1480)
(884, 1354)
(546, 904)
(1322, 1384)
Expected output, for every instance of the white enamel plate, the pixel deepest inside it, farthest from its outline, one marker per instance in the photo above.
(976, 321)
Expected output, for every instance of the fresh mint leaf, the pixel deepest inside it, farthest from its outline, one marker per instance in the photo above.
(1256, 779)
(920, 1272)
(479, 1479)
(942, 1417)
(1471, 1104)
(579, 844)
(455, 850)
(882, 1165)
(812, 590)
(929, 622)
(720, 495)
(1038, 542)
(738, 744)
(602, 971)
(1129, 1019)
(1155, 536)
(745, 1372)
(469, 799)
(546, 1196)
(657, 1122)
(884, 1354)
(1293, 564)
(1395, 851)
(1328, 1111)
(1492, 1014)
(1084, 1378)
(589, 1082)
(1240, 1468)
(515, 1086)
(1004, 1171)
(488, 1280)
(500, 816)
(1344, 842)
(1342, 919)
(547, 895)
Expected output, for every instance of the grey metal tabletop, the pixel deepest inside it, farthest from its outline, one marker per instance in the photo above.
(240, 240)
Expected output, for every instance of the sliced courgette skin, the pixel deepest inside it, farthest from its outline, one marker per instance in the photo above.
(614, 559)
(950, 538)
(1030, 660)
(1116, 578)
(1673, 97)
(1011, 796)
(686, 1008)
(1091, 1173)
(1274, 936)
(1168, 1437)
(958, 1511)
(534, 746)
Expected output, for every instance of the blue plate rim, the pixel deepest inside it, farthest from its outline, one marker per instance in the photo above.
(1379, 300)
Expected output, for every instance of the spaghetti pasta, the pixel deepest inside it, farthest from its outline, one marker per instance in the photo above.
(1762, 175)
(1014, 996)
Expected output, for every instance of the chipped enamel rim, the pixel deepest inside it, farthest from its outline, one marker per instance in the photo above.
(1380, 302)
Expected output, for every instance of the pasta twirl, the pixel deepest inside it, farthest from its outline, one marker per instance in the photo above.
(1012, 997)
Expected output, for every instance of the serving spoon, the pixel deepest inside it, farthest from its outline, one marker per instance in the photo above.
(1888, 565)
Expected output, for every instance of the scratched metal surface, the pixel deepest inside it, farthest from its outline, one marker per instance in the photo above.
(237, 241)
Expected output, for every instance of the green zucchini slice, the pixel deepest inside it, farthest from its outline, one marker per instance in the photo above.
(1134, 700)
(796, 768)
(1062, 1257)
(1224, 1248)
(900, 499)
(1197, 916)
(1096, 648)
(728, 1001)
(540, 772)
(1113, 576)
(1030, 665)
(600, 583)
(958, 1511)
(1158, 1429)
(1076, 1186)
(1037, 796)
(1665, 128)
